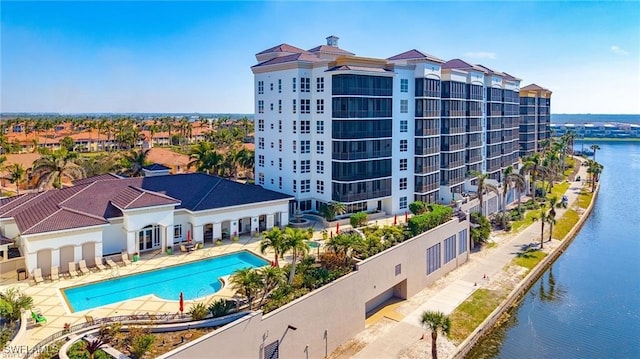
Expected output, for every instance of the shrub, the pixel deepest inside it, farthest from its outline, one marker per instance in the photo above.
(437, 215)
(358, 219)
(221, 307)
(481, 232)
(418, 207)
(141, 344)
(198, 311)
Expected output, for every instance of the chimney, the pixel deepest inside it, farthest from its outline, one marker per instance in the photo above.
(332, 41)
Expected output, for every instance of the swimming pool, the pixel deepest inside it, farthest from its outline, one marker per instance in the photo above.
(196, 279)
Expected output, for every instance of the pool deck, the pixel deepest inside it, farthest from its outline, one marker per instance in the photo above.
(48, 299)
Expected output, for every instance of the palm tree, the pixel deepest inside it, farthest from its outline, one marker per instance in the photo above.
(16, 175)
(51, 168)
(246, 159)
(436, 322)
(271, 278)
(295, 240)
(533, 166)
(274, 239)
(204, 158)
(553, 204)
(510, 177)
(135, 161)
(344, 245)
(483, 186)
(543, 218)
(594, 169)
(12, 302)
(594, 148)
(247, 283)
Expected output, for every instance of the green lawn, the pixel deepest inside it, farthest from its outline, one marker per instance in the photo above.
(559, 189)
(470, 313)
(585, 198)
(565, 223)
(529, 259)
(527, 220)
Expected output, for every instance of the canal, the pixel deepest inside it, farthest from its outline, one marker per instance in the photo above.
(587, 304)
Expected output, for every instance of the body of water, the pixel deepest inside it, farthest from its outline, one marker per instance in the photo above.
(587, 304)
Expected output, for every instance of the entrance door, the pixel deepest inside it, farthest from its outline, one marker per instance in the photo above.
(149, 238)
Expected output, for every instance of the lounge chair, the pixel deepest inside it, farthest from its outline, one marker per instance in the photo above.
(111, 263)
(72, 269)
(89, 319)
(38, 318)
(183, 249)
(55, 273)
(83, 267)
(99, 264)
(37, 276)
(125, 259)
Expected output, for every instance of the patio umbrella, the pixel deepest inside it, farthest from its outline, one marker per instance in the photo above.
(181, 303)
(406, 216)
(395, 219)
(337, 227)
(188, 235)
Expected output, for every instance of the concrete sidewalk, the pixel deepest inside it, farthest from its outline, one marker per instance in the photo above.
(405, 336)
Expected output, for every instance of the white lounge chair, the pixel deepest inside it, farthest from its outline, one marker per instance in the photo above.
(37, 276)
(72, 269)
(125, 259)
(83, 267)
(111, 263)
(99, 264)
(55, 273)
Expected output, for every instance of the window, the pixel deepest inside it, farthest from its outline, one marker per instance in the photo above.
(177, 231)
(404, 85)
(271, 86)
(320, 84)
(295, 186)
(279, 145)
(295, 147)
(305, 146)
(433, 258)
(403, 183)
(280, 164)
(398, 269)
(261, 143)
(272, 350)
(305, 186)
(320, 127)
(260, 125)
(271, 106)
(295, 166)
(271, 125)
(280, 182)
(305, 166)
(272, 181)
(295, 126)
(320, 106)
(320, 167)
(403, 126)
(260, 87)
(404, 106)
(305, 126)
(305, 106)
(403, 164)
(320, 186)
(403, 145)
(260, 106)
(294, 84)
(280, 126)
(305, 84)
(294, 106)
(271, 144)
(449, 249)
(462, 241)
(279, 85)
(260, 160)
(279, 106)
(403, 202)
(320, 147)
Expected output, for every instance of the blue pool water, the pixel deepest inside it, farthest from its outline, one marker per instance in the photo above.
(196, 279)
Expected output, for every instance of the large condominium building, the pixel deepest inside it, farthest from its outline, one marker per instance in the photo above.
(377, 134)
(535, 117)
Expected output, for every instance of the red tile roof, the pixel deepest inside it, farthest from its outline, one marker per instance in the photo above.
(415, 55)
(533, 87)
(331, 50)
(289, 58)
(133, 197)
(457, 64)
(282, 48)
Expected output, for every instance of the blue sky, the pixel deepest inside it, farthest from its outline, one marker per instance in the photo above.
(149, 56)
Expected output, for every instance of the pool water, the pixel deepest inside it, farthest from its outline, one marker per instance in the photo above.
(195, 279)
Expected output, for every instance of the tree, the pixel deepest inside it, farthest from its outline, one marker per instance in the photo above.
(344, 245)
(274, 239)
(594, 169)
(544, 218)
(436, 322)
(295, 240)
(553, 204)
(332, 209)
(68, 143)
(271, 278)
(483, 186)
(204, 158)
(509, 177)
(16, 175)
(594, 148)
(247, 283)
(12, 302)
(533, 166)
(134, 161)
(51, 168)
(418, 207)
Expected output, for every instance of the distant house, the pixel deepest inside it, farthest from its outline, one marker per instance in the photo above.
(107, 215)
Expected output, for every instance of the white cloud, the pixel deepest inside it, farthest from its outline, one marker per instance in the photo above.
(481, 55)
(618, 51)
